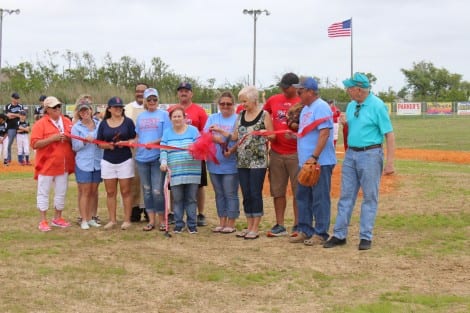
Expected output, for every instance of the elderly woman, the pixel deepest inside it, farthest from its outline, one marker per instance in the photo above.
(224, 176)
(87, 164)
(252, 157)
(117, 165)
(185, 171)
(150, 125)
(54, 161)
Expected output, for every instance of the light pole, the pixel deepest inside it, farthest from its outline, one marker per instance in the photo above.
(255, 14)
(4, 12)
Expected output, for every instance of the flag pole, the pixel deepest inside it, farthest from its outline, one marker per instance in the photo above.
(352, 48)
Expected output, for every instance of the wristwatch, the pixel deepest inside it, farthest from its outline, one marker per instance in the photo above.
(315, 157)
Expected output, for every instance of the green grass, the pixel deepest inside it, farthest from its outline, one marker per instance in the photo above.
(432, 132)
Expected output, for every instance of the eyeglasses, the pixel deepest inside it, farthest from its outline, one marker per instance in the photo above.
(225, 104)
(152, 99)
(356, 113)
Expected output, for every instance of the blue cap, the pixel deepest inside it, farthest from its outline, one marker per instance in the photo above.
(15, 95)
(115, 102)
(307, 83)
(150, 92)
(358, 80)
(185, 85)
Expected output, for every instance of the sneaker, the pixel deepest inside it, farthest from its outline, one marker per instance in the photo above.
(84, 225)
(315, 240)
(44, 226)
(277, 231)
(333, 242)
(192, 230)
(171, 218)
(365, 244)
(93, 223)
(300, 238)
(294, 231)
(136, 214)
(96, 219)
(201, 220)
(60, 222)
(178, 230)
(125, 225)
(79, 220)
(110, 225)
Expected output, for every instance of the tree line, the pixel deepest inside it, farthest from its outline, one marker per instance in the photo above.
(69, 74)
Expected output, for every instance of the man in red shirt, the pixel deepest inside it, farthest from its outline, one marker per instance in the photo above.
(283, 161)
(195, 115)
(336, 114)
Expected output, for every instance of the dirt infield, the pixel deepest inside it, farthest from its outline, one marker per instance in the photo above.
(388, 182)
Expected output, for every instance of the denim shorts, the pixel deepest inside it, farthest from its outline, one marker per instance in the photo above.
(83, 177)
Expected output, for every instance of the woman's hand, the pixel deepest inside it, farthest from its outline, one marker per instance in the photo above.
(163, 167)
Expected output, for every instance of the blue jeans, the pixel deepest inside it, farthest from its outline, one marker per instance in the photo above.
(152, 180)
(251, 183)
(226, 194)
(315, 202)
(184, 198)
(360, 170)
(11, 138)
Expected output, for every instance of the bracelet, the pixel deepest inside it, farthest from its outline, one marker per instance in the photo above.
(315, 157)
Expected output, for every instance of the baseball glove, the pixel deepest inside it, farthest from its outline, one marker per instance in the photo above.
(293, 116)
(309, 174)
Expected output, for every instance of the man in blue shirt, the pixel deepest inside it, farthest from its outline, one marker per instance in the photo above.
(314, 146)
(368, 122)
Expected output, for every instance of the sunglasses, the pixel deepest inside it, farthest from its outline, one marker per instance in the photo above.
(57, 107)
(152, 99)
(225, 104)
(356, 113)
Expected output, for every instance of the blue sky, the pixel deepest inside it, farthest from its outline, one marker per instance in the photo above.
(214, 39)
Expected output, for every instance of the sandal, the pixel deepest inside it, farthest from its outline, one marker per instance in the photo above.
(251, 235)
(162, 227)
(148, 227)
(242, 234)
(228, 230)
(218, 229)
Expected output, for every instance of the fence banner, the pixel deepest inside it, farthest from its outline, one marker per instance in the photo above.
(439, 108)
(463, 108)
(409, 108)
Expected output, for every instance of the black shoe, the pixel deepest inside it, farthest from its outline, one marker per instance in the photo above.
(136, 214)
(365, 244)
(171, 218)
(333, 242)
(201, 220)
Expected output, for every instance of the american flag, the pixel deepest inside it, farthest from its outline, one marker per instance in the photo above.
(340, 29)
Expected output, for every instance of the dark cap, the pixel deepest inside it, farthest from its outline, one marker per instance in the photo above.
(22, 112)
(42, 98)
(115, 102)
(185, 85)
(288, 80)
(3, 116)
(15, 95)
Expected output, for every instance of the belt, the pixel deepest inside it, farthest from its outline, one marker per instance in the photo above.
(366, 148)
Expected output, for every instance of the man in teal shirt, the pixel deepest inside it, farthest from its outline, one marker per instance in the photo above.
(368, 122)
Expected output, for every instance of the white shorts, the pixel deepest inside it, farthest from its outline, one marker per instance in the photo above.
(335, 131)
(120, 171)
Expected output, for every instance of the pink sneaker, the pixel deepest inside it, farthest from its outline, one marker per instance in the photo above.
(44, 226)
(60, 222)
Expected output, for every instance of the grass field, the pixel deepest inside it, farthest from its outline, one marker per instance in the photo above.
(419, 261)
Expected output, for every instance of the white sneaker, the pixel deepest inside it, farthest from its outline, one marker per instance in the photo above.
(93, 223)
(84, 225)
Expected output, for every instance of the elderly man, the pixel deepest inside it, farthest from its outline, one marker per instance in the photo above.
(314, 146)
(368, 122)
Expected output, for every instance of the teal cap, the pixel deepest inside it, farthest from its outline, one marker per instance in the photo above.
(358, 80)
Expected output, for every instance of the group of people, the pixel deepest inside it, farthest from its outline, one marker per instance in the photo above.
(248, 145)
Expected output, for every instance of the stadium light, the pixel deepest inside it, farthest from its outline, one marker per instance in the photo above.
(255, 14)
(2, 13)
